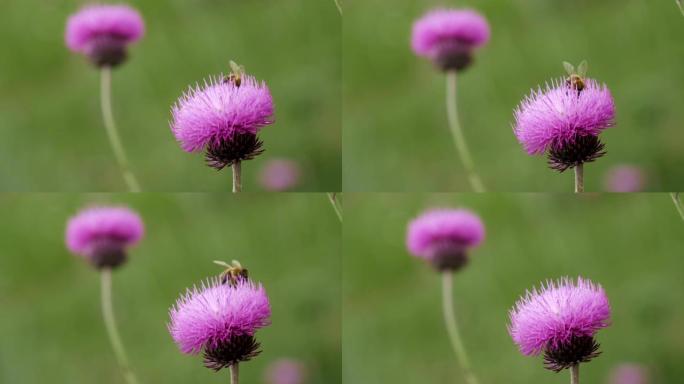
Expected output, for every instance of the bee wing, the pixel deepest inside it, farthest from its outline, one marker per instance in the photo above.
(569, 68)
(222, 263)
(582, 68)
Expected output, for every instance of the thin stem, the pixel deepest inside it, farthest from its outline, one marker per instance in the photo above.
(339, 6)
(112, 133)
(237, 176)
(452, 327)
(332, 196)
(677, 203)
(681, 7)
(234, 374)
(112, 331)
(579, 178)
(457, 133)
(574, 374)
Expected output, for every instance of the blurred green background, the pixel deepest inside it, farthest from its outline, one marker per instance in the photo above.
(51, 132)
(51, 329)
(395, 135)
(392, 325)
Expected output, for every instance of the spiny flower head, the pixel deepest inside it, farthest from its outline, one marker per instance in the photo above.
(215, 314)
(217, 111)
(103, 31)
(448, 36)
(442, 236)
(561, 317)
(557, 115)
(101, 234)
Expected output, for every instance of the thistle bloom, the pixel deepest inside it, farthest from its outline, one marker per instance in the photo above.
(102, 234)
(103, 32)
(223, 118)
(280, 175)
(220, 320)
(449, 36)
(565, 122)
(286, 371)
(629, 373)
(560, 320)
(625, 178)
(442, 237)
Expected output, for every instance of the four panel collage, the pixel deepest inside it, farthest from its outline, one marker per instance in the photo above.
(341, 191)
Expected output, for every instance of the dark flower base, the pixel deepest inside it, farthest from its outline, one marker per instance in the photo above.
(107, 51)
(240, 147)
(236, 350)
(583, 149)
(580, 349)
(108, 253)
(453, 56)
(449, 256)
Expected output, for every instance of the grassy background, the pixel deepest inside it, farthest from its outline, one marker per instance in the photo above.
(395, 136)
(393, 330)
(51, 132)
(51, 329)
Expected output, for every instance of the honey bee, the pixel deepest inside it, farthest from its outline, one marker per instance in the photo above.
(233, 273)
(576, 78)
(236, 73)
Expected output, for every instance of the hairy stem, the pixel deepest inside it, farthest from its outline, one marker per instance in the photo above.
(237, 176)
(332, 196)
(677, 203)
(452, 327)
(574, 374)
(457, 133)
(234, 374)
(579, 178)
(112, 331)
(112, 132)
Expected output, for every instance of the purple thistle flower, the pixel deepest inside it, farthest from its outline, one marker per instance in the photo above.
(442, 237)
(102, 234)
(629, 373)
(625, 178)
(449, 36)
(102, 32)
(220, 320)
(561, 320)
(565, 121)
(223, 117)
(280, 175)
(285, 371)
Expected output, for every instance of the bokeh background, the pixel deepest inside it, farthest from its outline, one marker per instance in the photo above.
(395, 135)
(392, 320)
(51, 132)
(51, 328)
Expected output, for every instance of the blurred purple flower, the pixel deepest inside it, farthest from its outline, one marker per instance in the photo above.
(448, 37)
(560, 319)
(443, 237)
(565, 122)
(280, 175)
(102, 32)
(101, 234)
(220, 320)
(629, 373)
(625, 178)
(286, 371)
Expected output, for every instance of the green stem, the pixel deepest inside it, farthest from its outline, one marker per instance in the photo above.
(234, 374)
(339, 6)
(332, 197)
(574, 374)
(452, 327)
(237, 176)
(457, 133)
(112, 331)
(579, 178)
(112, 133)
(681, 7)
(677, 203)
